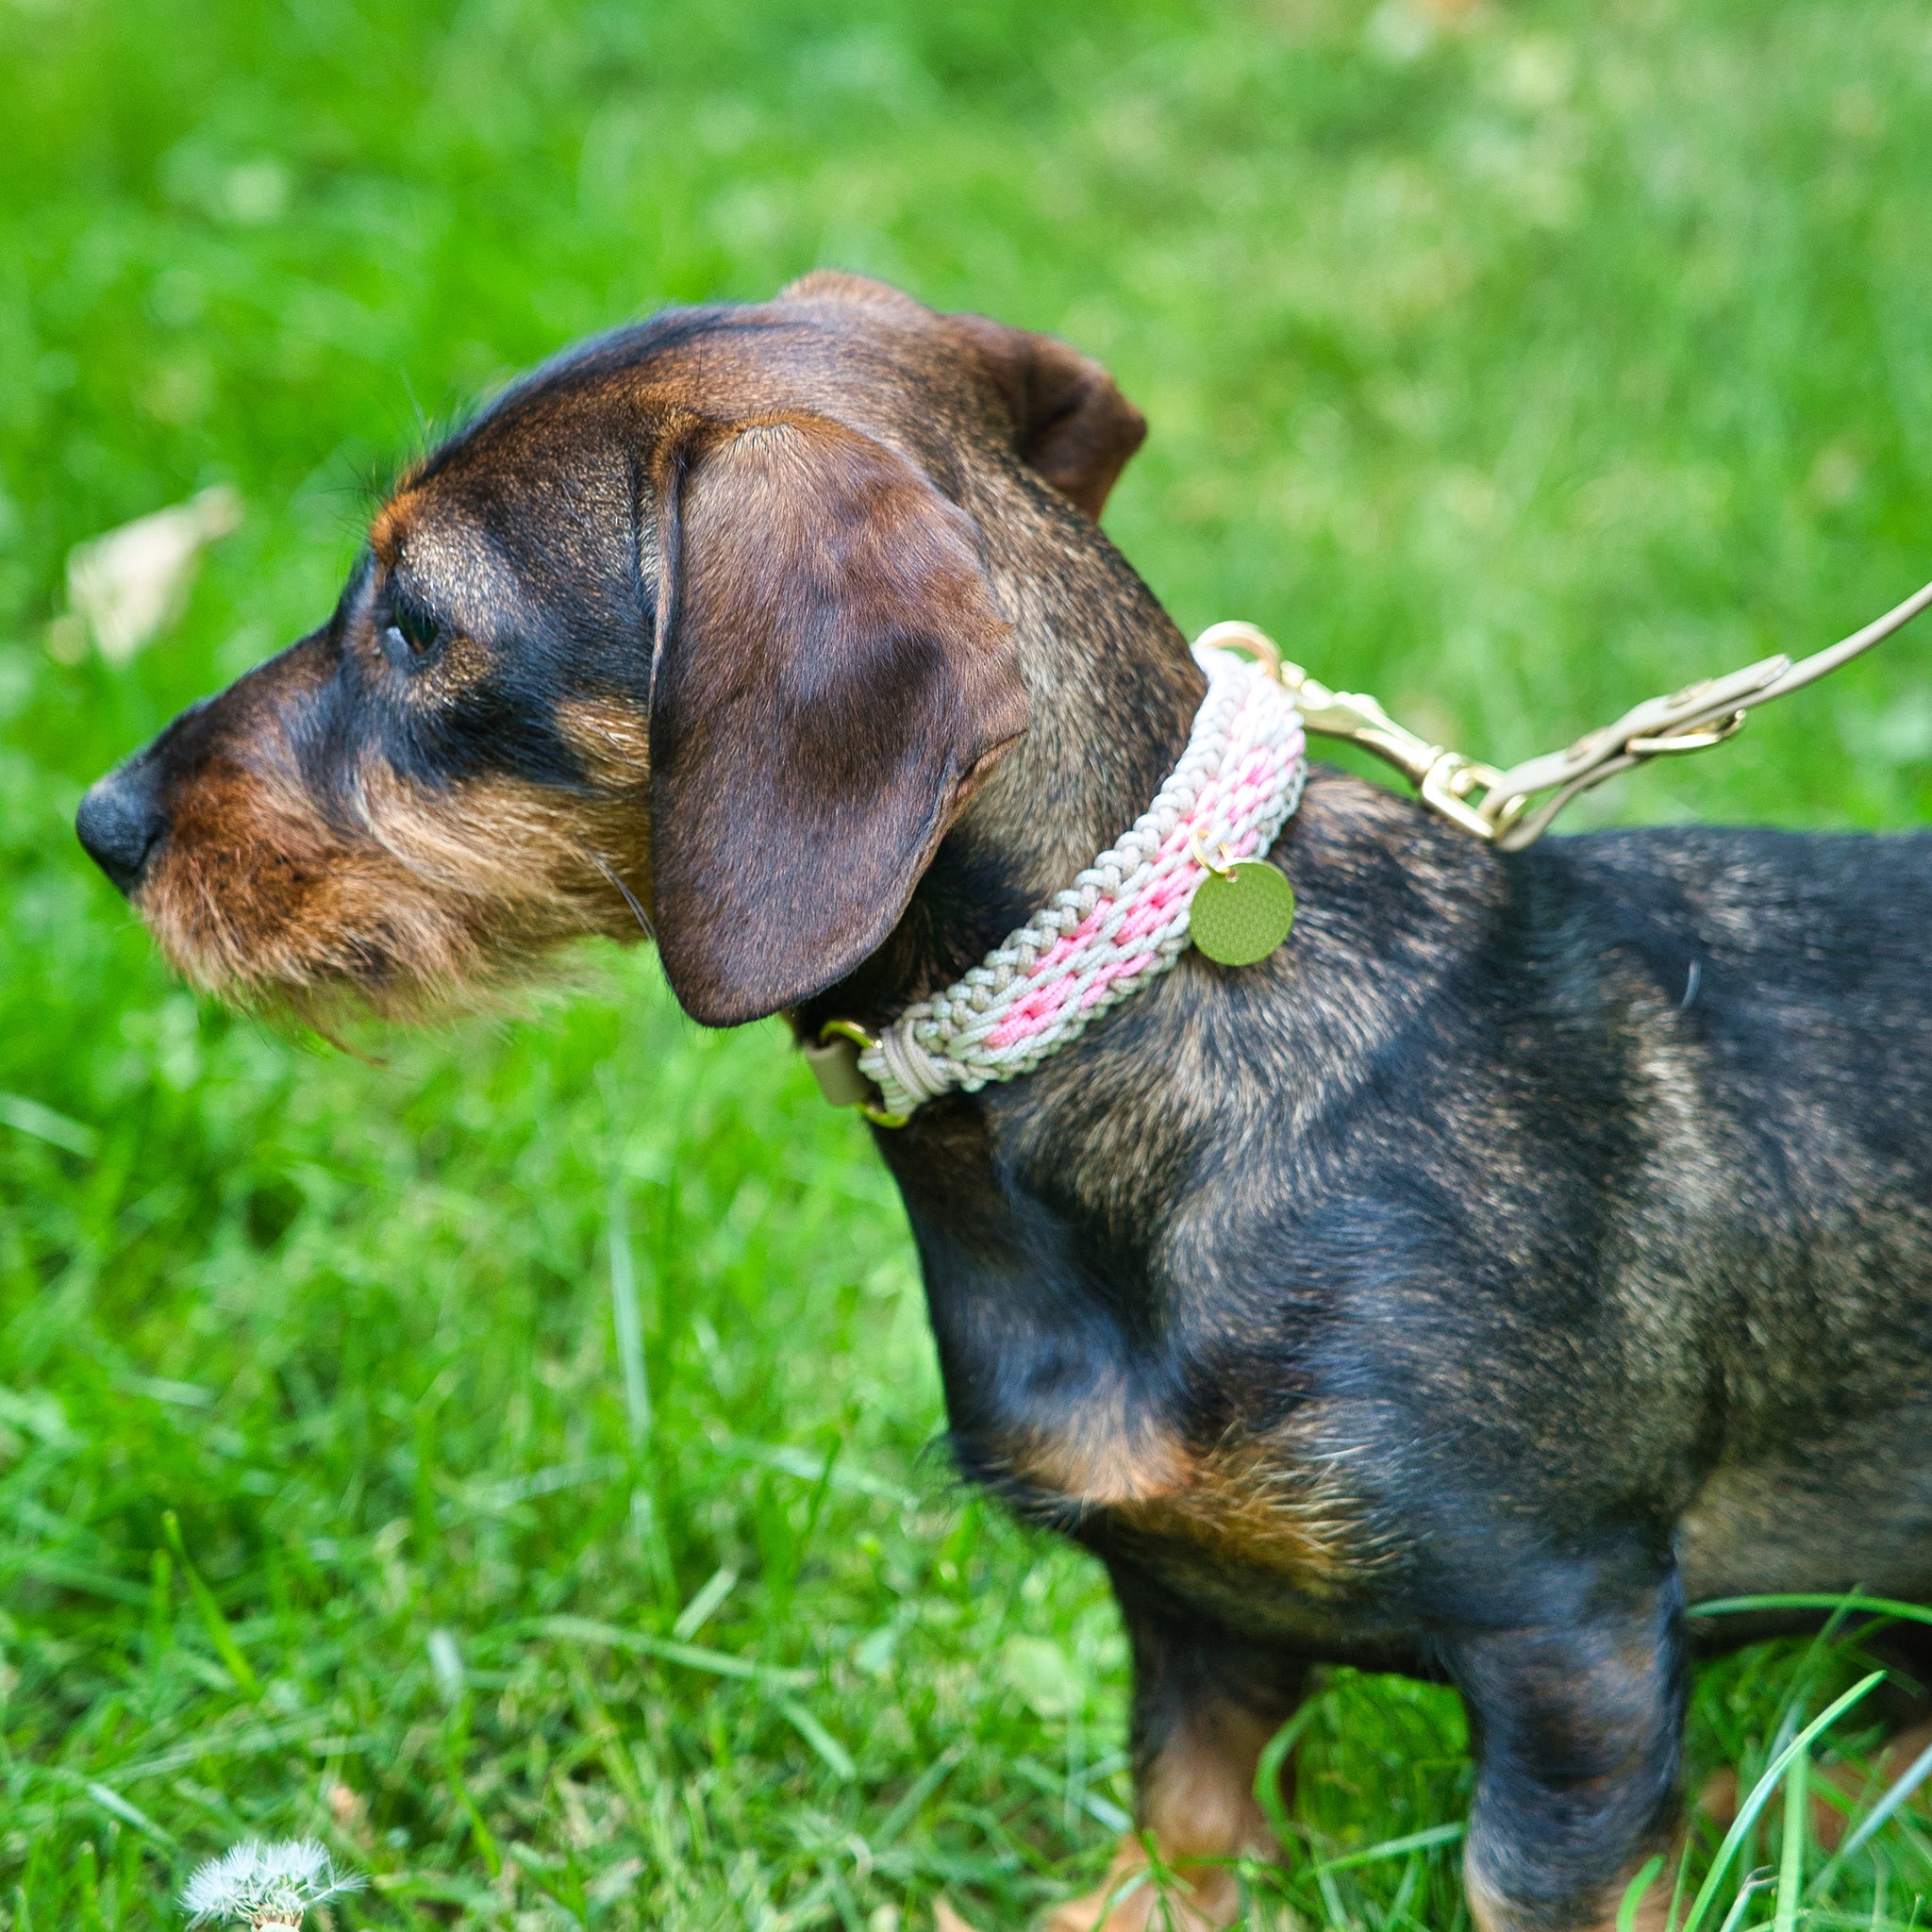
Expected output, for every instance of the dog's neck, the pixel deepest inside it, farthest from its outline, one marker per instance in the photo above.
(1203, 1054)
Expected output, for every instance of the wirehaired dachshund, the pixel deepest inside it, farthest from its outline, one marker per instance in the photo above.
(1532, 1246)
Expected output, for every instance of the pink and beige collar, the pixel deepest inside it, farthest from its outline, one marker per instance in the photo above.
(1123, 922)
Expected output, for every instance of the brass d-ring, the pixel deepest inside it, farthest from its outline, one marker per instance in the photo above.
(847, 1030)
(851, 1030)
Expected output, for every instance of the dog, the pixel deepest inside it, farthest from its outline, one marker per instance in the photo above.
(1531, 1247)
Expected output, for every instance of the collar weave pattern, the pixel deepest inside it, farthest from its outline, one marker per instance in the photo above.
(1125, 920)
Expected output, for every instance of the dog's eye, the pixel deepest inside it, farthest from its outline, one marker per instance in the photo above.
(411, 632)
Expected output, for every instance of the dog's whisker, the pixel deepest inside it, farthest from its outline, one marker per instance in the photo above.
(629, 897)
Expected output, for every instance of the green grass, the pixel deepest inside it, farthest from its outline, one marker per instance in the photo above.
(1514, 371)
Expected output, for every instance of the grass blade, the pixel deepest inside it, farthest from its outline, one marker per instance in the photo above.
(625, 1320)
(113, 1804)
(1791, 1871)
(1633, 1892)
(1268, 1771)
(480, 1834)
(1814, 1600)
(1426, 1840)
(212, 1620)
(835, 1754)
(1746, 1893)
(697, 1613)
(29, 1117)
(1880, 1814)
(76, 1576)
(1760, 1796)
(694, 1656)
(921, 1788)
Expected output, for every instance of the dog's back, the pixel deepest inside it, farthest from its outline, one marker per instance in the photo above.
(1791, 1077)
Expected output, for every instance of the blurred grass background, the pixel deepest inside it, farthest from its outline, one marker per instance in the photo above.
(1513, 361)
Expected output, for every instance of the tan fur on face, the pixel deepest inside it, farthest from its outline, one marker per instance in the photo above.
(612, 740)
(529, 854)
(386, 532)
(415, 903)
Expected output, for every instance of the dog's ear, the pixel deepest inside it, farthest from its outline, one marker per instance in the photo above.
(1071, 423)
(831, 680)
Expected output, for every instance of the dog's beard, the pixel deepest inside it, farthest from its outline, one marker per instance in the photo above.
(398, 902)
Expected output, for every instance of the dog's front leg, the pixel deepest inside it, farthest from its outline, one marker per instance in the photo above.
(1206, 1705)
(1579, 1727)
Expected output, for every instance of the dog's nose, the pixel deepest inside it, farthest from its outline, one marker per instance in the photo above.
(121, 822)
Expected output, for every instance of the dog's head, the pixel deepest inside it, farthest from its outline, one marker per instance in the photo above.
(689, 627)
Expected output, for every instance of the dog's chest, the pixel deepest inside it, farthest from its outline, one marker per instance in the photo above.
(1260, 1508)
(1065, 1392)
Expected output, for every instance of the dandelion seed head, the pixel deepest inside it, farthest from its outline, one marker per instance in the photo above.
(265, 1884)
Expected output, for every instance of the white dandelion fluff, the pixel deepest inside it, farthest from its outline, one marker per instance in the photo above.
(265, 1885)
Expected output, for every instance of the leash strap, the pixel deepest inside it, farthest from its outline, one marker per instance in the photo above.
(1496, 806)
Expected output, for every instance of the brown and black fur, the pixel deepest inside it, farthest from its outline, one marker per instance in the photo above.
(1532, 1246)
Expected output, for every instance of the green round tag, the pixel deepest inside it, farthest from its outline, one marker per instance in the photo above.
(1242, 915)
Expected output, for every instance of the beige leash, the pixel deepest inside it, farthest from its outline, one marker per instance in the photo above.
(1495, 806)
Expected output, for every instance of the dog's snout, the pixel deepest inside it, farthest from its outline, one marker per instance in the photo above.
(121, 822)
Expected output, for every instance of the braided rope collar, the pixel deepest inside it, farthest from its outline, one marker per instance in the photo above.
(1121, 924)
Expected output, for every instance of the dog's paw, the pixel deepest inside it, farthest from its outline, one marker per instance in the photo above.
(1127, 1900)
(944, 1919)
